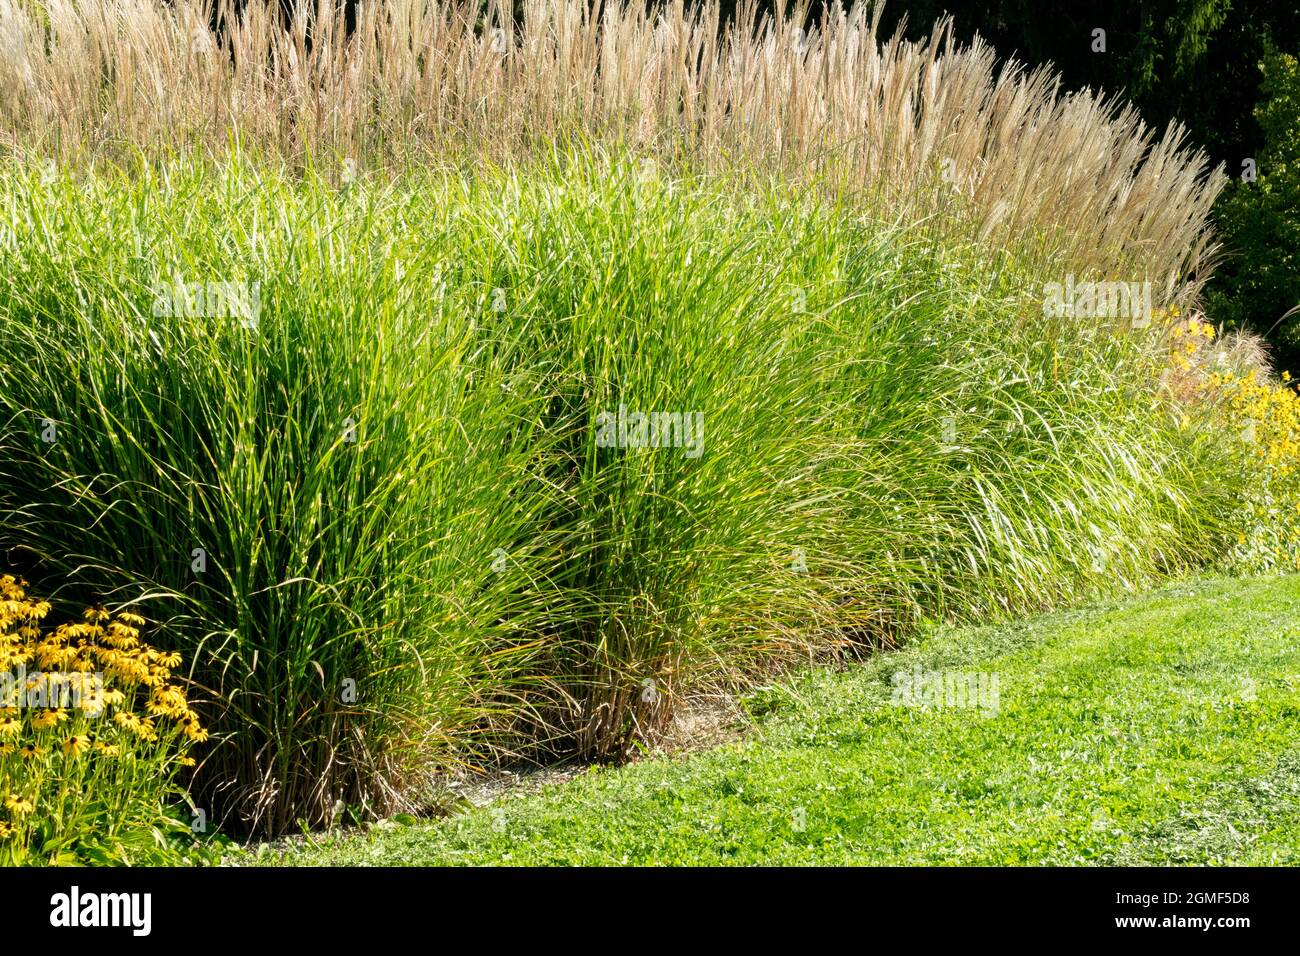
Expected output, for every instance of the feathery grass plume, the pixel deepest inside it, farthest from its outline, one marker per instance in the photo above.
(917, 128)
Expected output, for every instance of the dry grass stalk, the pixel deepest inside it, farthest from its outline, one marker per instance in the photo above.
(920, 129)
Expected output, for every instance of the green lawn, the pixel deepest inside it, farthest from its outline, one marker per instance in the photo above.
(1161, 730)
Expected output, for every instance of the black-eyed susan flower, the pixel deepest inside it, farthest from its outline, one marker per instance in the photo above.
(168, 701)
(49, 718)
(113, 697)
(101, 659)
(18, 806)
(169, 659)
(144, 729)
(193, 730)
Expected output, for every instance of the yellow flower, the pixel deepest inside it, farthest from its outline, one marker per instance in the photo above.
(18, 806)
(113, 697)
(76, 745)
(122, 636)
(48, 718)
(168, 701)
(9, 727)
(28, 751)
(143, 729)
(190, 724)
(108, 750)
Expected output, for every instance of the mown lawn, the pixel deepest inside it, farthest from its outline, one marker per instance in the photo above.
(1164, 730)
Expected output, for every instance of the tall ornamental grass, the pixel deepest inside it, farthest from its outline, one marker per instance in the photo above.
(918, 129)
(450, 466)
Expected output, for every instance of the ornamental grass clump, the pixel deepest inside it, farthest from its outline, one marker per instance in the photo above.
(341, 502)
(95, 733)
(506, 463)
(462, 386)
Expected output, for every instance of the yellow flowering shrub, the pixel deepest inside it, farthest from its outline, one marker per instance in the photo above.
(1261, 416)
(1267, 414)
(93, 732)
(1187, 338)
